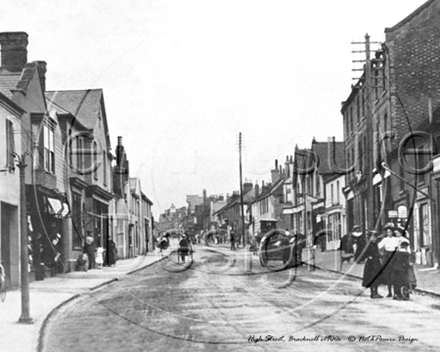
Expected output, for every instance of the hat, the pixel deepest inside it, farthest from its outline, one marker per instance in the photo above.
(401, 230)
(389, 226)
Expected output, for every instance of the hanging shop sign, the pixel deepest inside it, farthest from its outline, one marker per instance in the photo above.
(392, 214)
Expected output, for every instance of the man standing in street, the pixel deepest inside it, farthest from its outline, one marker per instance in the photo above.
(232, 239)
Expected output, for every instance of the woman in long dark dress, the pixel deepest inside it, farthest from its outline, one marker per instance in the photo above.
(112, 253)
(372, 268)
(388, 244)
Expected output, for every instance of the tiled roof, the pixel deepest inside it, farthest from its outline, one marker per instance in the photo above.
(8, 82)
(83, 104)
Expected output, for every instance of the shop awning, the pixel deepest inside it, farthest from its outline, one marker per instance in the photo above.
(57, 208)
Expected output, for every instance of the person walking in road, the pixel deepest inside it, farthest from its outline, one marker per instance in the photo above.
(347, 249)
(232, 239)
(184, 247)
(372, 268)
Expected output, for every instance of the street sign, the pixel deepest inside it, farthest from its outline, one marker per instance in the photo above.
(402, 212)
(392, 213)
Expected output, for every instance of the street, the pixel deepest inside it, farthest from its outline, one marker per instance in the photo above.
(218, 304)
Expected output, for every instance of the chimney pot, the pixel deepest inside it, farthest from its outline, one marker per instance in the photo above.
(13, 46)
(119, 140)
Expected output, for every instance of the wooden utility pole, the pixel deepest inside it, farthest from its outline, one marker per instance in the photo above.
(248, 263)
(365, 204)
(369, 221)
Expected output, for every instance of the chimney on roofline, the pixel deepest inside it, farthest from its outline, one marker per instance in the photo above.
(42, 69)
(13, 46)
(275, 173)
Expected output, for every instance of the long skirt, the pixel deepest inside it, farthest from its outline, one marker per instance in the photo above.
(372, 275)
(387, 267)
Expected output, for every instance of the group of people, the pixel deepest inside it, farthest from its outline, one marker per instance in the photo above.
(387, 262)
(95, 255)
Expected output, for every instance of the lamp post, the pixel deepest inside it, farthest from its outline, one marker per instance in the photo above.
(25, 315)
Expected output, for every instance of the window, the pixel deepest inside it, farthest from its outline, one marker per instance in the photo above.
(95, 160)
(351, 119)
(49, 149)
(10, 145)
(360, 156)
(104, 167)
(363, 103)
(332, 194)
(79, 154)
(337, 192)
(318, 185)
(385, 122)
(358, 110)
(424, 222)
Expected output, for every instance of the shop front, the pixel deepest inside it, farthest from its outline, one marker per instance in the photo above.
(46, 213)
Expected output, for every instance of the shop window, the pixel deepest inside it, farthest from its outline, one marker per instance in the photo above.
(76, 220)
(425, 236)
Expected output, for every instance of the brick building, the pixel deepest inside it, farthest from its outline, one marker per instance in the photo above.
(398, 90)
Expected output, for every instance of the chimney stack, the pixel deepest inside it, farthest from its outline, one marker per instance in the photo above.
(42, 69)
(275, 173)
(13, 46)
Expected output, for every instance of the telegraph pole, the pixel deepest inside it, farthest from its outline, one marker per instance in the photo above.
(368, 147)
(243, 229)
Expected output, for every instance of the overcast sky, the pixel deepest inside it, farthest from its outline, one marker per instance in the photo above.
(182, 78)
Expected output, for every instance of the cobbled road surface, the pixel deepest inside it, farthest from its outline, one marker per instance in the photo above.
(222, 302)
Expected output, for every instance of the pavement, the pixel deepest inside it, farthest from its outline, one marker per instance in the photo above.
(51, 293)
(428, 278)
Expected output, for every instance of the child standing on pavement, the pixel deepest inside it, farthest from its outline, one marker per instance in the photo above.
(99, 257)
